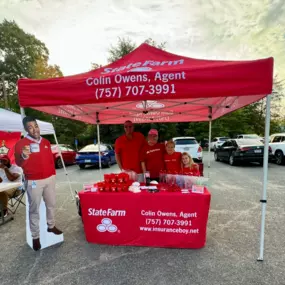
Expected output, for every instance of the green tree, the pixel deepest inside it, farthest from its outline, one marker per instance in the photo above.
(42, 70)
(19, 52)
(122, 48)
(95, 65)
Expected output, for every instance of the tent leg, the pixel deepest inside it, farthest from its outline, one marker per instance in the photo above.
(99, 143)
(22, 112)
(265, 177)
(63, 164)
(23, 115)
(210, 138)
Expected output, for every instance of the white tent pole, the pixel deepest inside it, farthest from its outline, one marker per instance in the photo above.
(99, 142)
(265, 177)
(22, 112)
(63, 164)
(23, 115)
(210, 138)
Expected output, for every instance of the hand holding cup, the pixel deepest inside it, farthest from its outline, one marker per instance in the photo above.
(26, 151)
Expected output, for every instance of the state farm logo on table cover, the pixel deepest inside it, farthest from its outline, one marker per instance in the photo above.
(107, 225)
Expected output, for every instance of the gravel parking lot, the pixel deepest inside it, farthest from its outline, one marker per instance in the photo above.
(228, 258)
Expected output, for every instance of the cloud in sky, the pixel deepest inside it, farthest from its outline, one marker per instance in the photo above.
(80, 32)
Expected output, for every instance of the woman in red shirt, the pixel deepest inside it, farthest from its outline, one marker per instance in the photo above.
(172, 159)
(188, 165)
(152, 155)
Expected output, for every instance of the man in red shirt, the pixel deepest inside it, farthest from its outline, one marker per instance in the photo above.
(33, 154)
(152, 155)
(128, 148)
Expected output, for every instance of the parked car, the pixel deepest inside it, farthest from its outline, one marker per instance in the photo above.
(217, 141)
(236, 151)
(89, 155)
(277, 144)
(250, 136)
(189, 145)
(68, 155)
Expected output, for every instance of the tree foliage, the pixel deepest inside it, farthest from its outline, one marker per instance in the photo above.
(22, 55)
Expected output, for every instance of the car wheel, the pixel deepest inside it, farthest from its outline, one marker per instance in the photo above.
(108, 163)
(58, 163)
(216, 157)
(81, 166)
(279, 157)
(232, 160)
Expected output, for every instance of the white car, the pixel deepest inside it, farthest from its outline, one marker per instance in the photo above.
(249, 136)
(217, 141)
(277, 144)
(189, 145)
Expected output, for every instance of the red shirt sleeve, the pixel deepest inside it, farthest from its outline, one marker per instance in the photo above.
(118, 145)
(18, 154)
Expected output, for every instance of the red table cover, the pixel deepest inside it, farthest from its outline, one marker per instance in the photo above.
(146, 219)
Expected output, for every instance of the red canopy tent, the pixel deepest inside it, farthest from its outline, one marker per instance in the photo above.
(152, 85)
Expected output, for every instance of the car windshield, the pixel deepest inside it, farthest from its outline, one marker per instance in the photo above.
(249, 142)
(93, 148)
(185, 141)
(250, 136)
(223, 139)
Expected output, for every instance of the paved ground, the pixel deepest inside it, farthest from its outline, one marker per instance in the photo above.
(228, 258)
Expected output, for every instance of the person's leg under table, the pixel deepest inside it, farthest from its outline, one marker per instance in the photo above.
(4, 199)
(3, 209)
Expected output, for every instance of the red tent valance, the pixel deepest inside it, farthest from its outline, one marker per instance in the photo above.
(151, 85)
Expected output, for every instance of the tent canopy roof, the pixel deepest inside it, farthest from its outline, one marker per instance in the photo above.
(151, 85)
(12, 122)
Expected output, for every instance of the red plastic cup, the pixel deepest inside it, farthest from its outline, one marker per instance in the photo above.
(107, 178)
(113, 178)
(120, 187)
(107, 187)
(101, 187)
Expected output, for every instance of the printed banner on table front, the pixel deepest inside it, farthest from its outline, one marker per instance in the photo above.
(158, 219)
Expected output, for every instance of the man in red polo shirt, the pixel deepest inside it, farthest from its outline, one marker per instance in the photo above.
(33, 154)
(128, 148)
(152, 156)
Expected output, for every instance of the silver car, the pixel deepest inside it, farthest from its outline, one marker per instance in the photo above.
(189, 145)
(217, 141)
